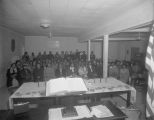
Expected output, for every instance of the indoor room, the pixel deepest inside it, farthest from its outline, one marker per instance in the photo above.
(76, 59)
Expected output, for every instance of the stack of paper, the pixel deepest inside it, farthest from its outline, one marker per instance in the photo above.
(83, 112)
(101, 111)
(21, 108)
(69, 112)
(65, 85)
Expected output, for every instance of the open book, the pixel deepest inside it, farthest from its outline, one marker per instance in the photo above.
(62, 86)
(101, 111)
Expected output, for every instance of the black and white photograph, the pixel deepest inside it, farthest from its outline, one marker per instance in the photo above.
(76, 59)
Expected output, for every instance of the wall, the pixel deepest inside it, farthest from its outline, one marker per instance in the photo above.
(96, 47)
(113, 50)
(6, 55)
(42, 43)
(117, 49)
(123, 49)
(1, 58)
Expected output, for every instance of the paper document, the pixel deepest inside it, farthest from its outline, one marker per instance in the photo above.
(83, 112)
(101, 111)
(65, 85)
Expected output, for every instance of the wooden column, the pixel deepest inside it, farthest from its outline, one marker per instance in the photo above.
(105, 55)
(89, 49)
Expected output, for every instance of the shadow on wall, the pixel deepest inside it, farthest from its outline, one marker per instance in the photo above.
(4, 97)
(3, 77)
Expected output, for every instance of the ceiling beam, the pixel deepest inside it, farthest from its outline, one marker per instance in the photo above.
(119, 39)
(138, 30)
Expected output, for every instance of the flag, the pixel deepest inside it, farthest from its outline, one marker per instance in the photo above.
(149, 63)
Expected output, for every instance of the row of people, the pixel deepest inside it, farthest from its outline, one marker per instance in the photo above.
(39, 68)
(81, 55)
(36, 71)
(127, 72)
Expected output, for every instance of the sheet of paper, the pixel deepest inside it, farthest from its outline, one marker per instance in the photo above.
(109, 85)
(83, 112)
(101, 111)
(29, 89)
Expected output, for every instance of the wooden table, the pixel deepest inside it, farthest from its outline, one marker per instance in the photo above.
(41, 113)
(111, 86)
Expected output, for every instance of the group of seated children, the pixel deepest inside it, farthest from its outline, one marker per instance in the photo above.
(34, 68)
(31, 68)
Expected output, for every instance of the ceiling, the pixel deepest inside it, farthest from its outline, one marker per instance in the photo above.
(66, 17)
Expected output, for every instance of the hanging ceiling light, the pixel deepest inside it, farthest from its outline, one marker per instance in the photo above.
(50, 35)
(45, 25)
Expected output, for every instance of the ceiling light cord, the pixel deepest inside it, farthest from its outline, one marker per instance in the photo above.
(50, 32)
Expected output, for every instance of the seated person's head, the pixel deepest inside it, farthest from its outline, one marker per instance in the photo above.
(13, 65)
(38, 65)
(18, 64)
(25, 53)
(89, 62)
(44, 52)
(72, 64)
(124, 66)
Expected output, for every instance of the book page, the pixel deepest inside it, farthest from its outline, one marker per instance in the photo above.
(56, 86)
(76, 85)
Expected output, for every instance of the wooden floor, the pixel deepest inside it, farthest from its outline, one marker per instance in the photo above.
(141, 100)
